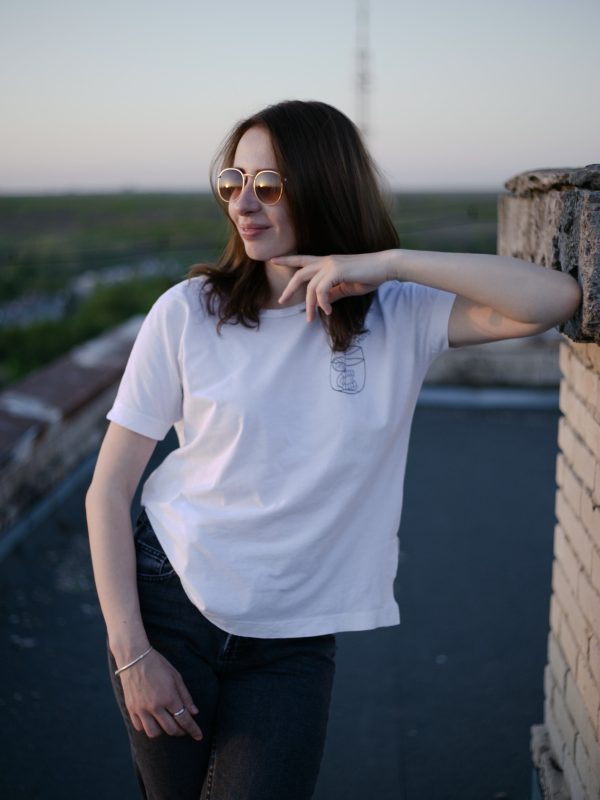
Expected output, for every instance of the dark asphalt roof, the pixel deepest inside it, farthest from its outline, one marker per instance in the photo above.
(437, 708)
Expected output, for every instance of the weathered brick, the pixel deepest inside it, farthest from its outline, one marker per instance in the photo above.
(555, 615)
(564, 361)
(572, 488)
(560, 467)
(595, 570)
(589, 692)
(578, 375)
(564, 722)
(584, 462)
(584, 382)
(573, 780)
(555, 735)
(584, 762)
(549, 682)
(579, 714)
(590, 427)
(566, 637)
(565, 554)
(589, 388)
(562, 396)
(565, 572)
(584, 427)
(596, 492)
(576, 533)
(575, 619)
(574, 408)
(566, 438)
(590, 516)
(589, 602)
(593, 357)
(581, 352)
(594, 658)
(557, 663)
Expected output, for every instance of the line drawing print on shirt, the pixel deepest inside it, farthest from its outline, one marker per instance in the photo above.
(348, 370)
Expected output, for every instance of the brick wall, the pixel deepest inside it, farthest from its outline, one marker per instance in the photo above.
(572, 680)
(552, 217)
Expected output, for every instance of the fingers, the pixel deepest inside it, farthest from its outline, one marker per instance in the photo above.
(186, 723)
(306, 269)
(150, 725)
(293, 261)
(318, 295)
(186, 697)
(161, 702)
(319, 275)
(186, 720)
(168, 722)
(154, 723)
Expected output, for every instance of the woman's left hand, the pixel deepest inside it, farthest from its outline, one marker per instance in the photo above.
(329, 278)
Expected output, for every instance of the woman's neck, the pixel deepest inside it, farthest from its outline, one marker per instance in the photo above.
(278, 277)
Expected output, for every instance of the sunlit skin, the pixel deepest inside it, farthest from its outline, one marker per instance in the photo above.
(498, 297)
(266, 230)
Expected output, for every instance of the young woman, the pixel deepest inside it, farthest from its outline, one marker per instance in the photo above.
(290, 371)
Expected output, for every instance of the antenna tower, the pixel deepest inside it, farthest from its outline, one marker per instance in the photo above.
(363, 76)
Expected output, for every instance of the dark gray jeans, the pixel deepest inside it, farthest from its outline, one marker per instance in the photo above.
(263, 703)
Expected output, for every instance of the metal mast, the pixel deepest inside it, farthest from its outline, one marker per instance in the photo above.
(363, 77)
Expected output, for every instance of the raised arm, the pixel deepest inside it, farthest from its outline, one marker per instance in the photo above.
(498, 297)
(153, 689)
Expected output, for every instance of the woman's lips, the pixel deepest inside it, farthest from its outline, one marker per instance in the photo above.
(252, 231)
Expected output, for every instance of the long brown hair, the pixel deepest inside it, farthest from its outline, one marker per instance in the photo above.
(335, 205)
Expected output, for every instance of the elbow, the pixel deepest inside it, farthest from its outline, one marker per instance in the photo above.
(573, 298)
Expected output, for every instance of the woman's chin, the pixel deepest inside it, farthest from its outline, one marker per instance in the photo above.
(258, 253)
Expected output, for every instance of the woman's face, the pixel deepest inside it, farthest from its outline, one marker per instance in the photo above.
(266, 230)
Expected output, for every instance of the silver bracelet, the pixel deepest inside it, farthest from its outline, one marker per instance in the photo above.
(135, 661)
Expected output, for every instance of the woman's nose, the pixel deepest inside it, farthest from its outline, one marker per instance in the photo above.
(247, 200)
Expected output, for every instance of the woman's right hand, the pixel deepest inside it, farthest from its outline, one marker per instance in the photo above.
(154, 690)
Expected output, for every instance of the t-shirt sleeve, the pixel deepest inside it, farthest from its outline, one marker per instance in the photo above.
(433, 308)
(149, 398)
(421, 315)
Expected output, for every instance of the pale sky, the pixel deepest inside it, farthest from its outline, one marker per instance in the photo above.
(138, 94)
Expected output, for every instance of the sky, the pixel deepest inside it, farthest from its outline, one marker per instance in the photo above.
(138, 94)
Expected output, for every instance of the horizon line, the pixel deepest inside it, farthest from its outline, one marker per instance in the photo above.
(91, 192)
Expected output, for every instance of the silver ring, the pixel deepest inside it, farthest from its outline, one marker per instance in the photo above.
(180, 712)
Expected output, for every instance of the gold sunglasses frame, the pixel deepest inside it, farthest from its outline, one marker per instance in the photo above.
(254, 177)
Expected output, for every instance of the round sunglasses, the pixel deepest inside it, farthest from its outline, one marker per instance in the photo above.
(266, 184)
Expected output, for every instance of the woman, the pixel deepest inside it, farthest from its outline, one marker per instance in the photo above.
(291, 380)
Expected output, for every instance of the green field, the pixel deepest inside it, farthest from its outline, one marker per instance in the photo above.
(48, 241)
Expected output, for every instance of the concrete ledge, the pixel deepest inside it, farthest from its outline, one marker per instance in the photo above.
(552, 218)
(55, 417)
(530, 362)
(543, 180)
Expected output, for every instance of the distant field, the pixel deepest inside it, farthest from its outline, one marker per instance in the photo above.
(48, 242)
(459, 223)
(45, 241)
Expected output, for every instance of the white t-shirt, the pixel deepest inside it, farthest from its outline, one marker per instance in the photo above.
(280, 509)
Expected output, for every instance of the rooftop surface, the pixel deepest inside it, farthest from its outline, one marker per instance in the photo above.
(438, 708)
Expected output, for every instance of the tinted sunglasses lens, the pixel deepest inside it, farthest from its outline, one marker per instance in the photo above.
(268, 187)
(229, 183)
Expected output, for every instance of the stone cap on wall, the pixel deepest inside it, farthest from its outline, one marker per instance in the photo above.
(552, 217)
(544, 180)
